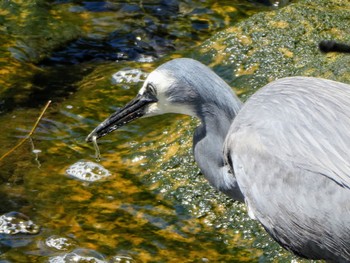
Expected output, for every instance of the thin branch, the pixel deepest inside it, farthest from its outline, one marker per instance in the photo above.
(29, 134)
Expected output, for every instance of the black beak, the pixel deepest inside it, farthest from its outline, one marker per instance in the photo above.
(131, 111)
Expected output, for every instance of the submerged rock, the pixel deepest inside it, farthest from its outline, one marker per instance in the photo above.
(59, 243)
(82, 255)
(87, 171)
(17, 223)
(129, 75)
(121, 259)
(79, 255)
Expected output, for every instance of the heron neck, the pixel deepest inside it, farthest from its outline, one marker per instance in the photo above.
(208, 140)
(217, 118)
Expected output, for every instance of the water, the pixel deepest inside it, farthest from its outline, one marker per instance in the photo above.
(151, 204)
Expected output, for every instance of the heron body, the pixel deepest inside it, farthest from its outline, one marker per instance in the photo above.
(285, 152)
(289, 147)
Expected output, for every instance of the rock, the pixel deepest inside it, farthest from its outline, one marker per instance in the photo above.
(87, 171)
(280, 43)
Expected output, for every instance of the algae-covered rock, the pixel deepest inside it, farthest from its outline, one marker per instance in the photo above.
(281, 43)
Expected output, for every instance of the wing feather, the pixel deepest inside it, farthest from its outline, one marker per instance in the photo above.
(290, 149)
(304, 121)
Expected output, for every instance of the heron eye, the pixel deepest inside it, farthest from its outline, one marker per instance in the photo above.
(150, 88)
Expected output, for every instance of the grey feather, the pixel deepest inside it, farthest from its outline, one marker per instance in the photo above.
(290, 149)
(197, 86)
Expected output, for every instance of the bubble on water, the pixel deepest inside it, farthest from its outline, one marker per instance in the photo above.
(128, 76)
(60, 243)
(88, 171)
(80, 255)
(17, 223)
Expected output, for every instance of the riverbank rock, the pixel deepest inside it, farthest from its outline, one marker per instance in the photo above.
(280, 43)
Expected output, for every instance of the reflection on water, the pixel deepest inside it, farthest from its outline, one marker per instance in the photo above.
(154, 206)
(41, 41)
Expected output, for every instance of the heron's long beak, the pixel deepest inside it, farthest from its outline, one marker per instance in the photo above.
(131, 111)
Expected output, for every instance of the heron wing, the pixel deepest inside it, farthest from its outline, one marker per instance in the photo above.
(303, 121)
(289, 147)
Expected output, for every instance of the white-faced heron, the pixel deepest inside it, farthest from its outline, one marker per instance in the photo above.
(285, 152)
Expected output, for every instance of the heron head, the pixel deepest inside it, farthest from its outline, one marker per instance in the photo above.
(171, 88)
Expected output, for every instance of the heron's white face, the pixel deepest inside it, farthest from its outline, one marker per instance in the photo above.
(166, 90)
(159, 82)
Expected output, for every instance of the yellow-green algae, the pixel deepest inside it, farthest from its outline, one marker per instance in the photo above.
(281, 43)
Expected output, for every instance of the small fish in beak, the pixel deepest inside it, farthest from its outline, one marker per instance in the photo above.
(131, 111)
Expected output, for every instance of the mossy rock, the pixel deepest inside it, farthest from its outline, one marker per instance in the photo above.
(280, 43)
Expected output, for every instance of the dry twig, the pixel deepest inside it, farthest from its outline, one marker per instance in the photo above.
(29, 134)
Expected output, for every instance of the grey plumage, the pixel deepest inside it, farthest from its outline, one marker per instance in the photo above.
(290, 149)
(215, 104)
(287, 149)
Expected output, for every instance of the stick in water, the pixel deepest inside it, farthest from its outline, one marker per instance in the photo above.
(29, 134)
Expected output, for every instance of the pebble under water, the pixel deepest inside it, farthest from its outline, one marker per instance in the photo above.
(87, 171)
(13, 223)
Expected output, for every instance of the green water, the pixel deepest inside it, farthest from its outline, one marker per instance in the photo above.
(155, 206)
